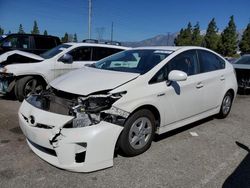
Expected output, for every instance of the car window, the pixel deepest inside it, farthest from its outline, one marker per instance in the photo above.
(44, 42)
(186, 61)
(209, 61)
(81, 54)
(101, 52)
(135, 61)
(244, 60)
(54, 51)
(18, 41)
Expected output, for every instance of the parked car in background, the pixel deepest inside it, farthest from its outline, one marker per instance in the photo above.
(124, 100)
(36, 44)
(242, 69)
(25, 73)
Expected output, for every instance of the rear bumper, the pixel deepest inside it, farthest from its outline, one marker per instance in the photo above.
(76, 149)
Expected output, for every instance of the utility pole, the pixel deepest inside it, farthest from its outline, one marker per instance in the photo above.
(168, 38)
(90, 17)
(112, 27)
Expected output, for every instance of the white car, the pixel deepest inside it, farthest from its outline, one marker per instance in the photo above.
(124, 100)
(26, 73)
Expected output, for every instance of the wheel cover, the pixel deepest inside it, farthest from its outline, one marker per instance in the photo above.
(32, 87)
(140, 133)
(226, 104)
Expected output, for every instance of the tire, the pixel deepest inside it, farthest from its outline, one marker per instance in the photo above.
(138, 133)
(27, 85)
(225, 105)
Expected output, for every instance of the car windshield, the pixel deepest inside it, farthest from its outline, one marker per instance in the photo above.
(244, 60)
(134, 61)
(54, 51)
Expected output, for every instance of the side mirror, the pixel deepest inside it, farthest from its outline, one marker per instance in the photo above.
(7, 44)
(176, 75)
(66, 58)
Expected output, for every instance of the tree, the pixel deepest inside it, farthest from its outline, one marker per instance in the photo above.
(75, 38)
(185, 36)
(45, 32)
(245, 41)
(1, 31)
(65, 38)
(35, 28)
(229, 39)
(196, 36)
(211, 38)
(21, 30)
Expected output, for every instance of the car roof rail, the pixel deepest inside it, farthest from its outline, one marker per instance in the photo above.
(90, 40)
(113, 43)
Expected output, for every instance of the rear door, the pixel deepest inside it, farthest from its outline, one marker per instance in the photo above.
(212, 69)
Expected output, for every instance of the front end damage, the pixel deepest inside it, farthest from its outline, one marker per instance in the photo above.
(7, 82)
(77, 133)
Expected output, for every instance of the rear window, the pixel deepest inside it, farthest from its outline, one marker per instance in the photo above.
(209, 61)
(44, 42)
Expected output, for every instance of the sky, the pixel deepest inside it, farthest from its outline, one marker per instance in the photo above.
(133, 20)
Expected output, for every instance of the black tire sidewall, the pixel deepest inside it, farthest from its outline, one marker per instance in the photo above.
(124, 144)
(20, 85)
(221, 114)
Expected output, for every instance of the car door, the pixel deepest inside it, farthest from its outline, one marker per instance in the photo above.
(183, 99)
(212, 70)
(80, 56)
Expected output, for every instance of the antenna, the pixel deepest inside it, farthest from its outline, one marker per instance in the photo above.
(90, 17)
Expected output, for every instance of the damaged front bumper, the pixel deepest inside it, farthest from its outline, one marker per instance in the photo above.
(7, 82)
(82, 149)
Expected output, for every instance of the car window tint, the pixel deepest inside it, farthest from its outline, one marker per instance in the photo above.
(21, 42)
(186, 62)
(244, 60)
(209, 61)
(100, 52)
(44, 42)
(81, 54)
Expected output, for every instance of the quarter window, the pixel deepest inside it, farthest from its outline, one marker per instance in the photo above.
(209, 61)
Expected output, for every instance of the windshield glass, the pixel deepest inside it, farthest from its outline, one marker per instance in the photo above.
(244, 60)
(54, 51)
(135, 61)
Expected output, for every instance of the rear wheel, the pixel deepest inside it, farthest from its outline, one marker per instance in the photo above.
(138, 133)
(226, 105)
(28, 85)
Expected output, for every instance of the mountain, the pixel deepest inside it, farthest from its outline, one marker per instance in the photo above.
(165, 40)
(159, 40)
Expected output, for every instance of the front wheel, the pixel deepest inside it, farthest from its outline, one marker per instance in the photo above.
(138, 133)
(28, 85)
(226, 105)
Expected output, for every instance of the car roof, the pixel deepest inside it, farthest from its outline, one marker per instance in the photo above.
(171, 48)
(97, 45)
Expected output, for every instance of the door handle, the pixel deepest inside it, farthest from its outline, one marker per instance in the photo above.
(199, 85)
(222, 77)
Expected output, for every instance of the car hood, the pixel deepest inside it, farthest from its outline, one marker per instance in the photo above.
(29, 56)
(89, 80)
(241, 66)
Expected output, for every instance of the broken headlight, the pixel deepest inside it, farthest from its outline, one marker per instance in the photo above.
(91, 110)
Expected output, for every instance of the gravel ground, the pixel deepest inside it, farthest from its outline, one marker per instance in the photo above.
(218, 157)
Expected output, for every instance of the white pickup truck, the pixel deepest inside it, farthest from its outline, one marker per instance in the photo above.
(23, 73)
